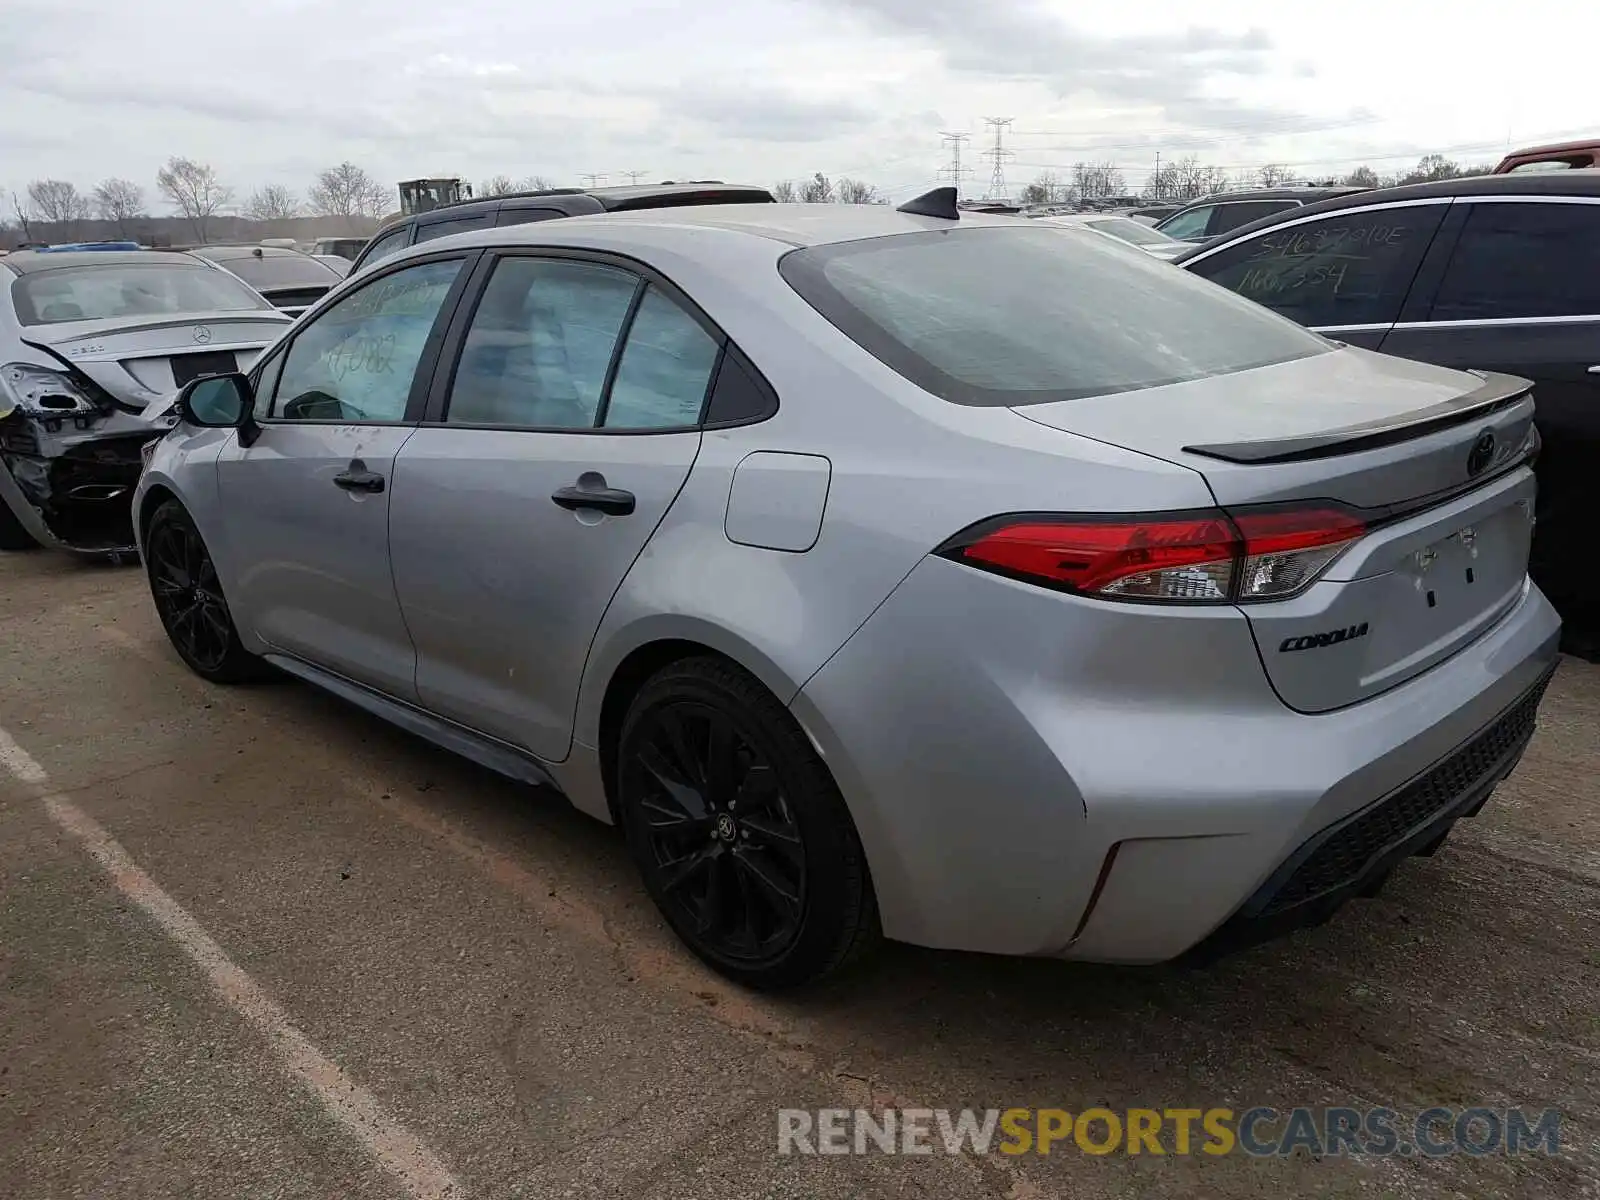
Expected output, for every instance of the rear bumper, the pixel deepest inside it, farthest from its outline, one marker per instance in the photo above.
(1036, 774)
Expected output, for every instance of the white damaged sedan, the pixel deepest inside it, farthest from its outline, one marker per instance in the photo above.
(93, 346)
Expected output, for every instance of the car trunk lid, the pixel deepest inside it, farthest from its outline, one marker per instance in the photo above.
(1430, 459)
(138, 362)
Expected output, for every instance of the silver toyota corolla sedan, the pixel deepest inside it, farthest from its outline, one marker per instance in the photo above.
(92, 345)
(935, 575)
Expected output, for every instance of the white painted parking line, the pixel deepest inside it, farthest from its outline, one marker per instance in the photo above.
(418, 1170)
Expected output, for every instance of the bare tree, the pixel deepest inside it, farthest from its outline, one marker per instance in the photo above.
(1363, 176)
(1433, 166)
(273, 202)
(58, 201)
(1046, 189)
(194, 190)
(534, 183)
(856, 191)
(784, 191)
(1274, 175)
(817, 190)
(119, 200)
(1097, 181)
(18, 207)
(348, 191)
(500, 185)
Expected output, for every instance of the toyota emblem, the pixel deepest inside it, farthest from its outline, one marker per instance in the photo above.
(1482, 453)
(202, 335)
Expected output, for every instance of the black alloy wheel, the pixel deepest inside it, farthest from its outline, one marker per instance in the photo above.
(189, 600)
(744, 842)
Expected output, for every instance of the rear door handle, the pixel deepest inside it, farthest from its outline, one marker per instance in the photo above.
(1595, 370)
(612, 501)
(358, 479)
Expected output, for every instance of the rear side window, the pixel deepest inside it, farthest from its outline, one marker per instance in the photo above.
(438, 229)
(1349, 268)
(1242, 212)
(1014, 315)
(1523, 260)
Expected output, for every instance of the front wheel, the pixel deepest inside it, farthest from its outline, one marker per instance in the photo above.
(189, 600)
(744, 842)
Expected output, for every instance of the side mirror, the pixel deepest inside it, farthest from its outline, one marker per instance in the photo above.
(220, 402)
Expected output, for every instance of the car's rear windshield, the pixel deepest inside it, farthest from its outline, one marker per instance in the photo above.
(1021, 315)
(1133, 231)
(128, 290)
(280, 270)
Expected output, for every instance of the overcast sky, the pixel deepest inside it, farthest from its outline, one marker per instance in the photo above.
(767, 89)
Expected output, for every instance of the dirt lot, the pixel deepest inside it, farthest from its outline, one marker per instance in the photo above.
(380, 971)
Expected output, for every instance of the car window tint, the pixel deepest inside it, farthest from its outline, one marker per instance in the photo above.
(1029, 315)
(540, 344)
(388, 244)
(665, 368)
(1189, 224)
(1345, 269)
(355, 361)
(1242, 212)
(426, 232)
(1523, 260)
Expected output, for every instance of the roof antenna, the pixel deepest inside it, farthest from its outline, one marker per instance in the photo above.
(941, 202)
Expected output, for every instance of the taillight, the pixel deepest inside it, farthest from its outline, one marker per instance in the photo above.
(1205, 557)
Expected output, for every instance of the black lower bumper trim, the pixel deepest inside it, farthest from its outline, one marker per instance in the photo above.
(1354, 856)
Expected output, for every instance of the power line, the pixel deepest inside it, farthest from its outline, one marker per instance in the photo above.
(998, 155)
(955, 172)
(635, 176)
(595, 178)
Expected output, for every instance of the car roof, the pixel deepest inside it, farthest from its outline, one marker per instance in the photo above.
(1308, 194)
(31, 262)
(1557, 148)
(791, 224)
(1583, 181)
(225, 253)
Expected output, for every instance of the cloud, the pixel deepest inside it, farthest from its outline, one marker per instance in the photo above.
(765, 114)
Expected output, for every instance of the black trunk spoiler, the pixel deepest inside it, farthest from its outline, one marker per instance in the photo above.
(1495, 394)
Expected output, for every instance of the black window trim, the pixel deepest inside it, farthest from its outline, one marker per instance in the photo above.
(1451, 203)
(436, 411)
(426, 364)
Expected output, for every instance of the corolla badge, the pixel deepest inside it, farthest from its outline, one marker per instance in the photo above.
(202, 335)
(1482, 453)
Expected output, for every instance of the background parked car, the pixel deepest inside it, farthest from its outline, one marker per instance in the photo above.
(291, 281)
(1124, 229)
(1498, 272)
(924, 530)
(1560, 156)
(522, 208)
(90, 343)
(347, 248)
(1212, 216)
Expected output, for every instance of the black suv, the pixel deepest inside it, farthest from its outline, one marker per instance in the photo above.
(518, 208)
(1210, 216)
(1497, 272)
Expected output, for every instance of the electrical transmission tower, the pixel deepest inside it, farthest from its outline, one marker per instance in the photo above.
(634, 176)
(595, 178)
(997, 154)
(955, 172)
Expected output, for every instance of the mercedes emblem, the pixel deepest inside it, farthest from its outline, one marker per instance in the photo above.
(202, 335)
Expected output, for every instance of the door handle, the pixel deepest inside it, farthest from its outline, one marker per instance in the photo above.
(358, 479)
(1595, 370)
(612, 501)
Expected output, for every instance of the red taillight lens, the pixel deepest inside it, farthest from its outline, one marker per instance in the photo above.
(1174, 558)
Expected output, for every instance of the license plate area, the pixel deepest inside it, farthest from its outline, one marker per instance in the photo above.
(187, 367)
(1472, 567)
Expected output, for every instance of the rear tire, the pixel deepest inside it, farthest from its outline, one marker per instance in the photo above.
(189, 600)
(12, 534)
(741, 835)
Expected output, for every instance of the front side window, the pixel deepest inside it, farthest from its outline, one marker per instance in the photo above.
(1006, 315)
(153, 289)
(389, 243)
(1242, 212)
(1523, 260)
(355, 362)
(1188, 225)
(1348, 268)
